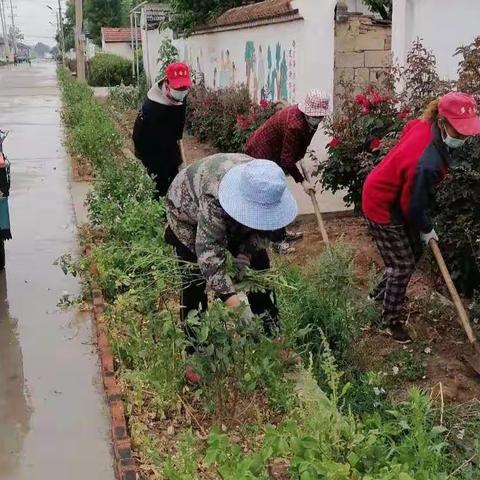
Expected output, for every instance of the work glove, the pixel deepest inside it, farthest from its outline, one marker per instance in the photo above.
(426, 237)
(308, 187)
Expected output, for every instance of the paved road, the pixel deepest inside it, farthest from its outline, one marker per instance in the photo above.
(53, 420)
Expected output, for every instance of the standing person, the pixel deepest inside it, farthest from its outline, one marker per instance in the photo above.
(158, 129)
(285, 137)
(226, 203)
(396, 197)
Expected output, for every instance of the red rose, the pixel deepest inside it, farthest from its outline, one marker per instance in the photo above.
(334, 143)
(361, 100)
(264, 103)
(403, 113)
(376, 98)
(243, 122)
(375, 144)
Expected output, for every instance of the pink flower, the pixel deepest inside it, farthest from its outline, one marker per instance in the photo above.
(375, 144)
(264, 103)
(243, 122)
(334, 143)
(403, 113)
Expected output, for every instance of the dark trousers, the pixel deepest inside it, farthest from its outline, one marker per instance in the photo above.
(194, 286)
(163, 174)
(401, 250)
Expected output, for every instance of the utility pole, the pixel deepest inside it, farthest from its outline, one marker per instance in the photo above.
(79, 40)
(3, 22)
(14, 31)
(60, 31)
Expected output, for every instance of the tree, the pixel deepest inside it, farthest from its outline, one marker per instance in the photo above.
(383, 7)
(69, 26)
(15, 34)
(189, 14)
(102, 13)
(40, 50)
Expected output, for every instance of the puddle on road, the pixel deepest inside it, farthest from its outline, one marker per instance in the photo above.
(14, 409)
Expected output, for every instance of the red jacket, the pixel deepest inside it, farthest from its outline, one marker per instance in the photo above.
(398, 189)
(283, 139)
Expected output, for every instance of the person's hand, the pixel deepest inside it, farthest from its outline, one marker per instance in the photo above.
(308, 187)
(233, 301)
(242, 260)
(426, 237)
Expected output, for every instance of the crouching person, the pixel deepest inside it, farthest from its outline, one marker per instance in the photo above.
(220, 204)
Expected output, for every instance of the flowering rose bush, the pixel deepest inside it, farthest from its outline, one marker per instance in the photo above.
(225, 118)
(364, 125)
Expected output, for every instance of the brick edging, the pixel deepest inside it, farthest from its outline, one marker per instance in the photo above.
(125, 467)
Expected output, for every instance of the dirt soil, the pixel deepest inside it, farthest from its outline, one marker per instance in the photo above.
(432, 320)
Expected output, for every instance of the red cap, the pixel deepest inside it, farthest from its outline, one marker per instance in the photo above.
(178, 76)
(460, 110)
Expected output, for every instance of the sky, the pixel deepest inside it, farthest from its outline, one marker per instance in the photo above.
(33, 17)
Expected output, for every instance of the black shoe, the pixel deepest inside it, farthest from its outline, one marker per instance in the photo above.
(398, 332)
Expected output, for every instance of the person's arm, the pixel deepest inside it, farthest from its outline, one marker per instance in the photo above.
(293, 150)
(427, 176)
(211, 249)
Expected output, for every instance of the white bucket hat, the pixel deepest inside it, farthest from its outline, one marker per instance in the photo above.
(255, 194)
(316, 104)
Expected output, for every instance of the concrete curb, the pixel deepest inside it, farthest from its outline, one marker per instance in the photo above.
(124, 462)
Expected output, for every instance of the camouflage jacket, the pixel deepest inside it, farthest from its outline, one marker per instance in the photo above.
(197, 219)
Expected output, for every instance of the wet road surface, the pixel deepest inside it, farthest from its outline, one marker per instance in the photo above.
(53, 419)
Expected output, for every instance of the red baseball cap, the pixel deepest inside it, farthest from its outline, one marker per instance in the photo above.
(460, 110)
(178, 76)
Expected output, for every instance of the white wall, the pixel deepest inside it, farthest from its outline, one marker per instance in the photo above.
(302, 58)
(153, 38)
(123, 49)
(442, 24)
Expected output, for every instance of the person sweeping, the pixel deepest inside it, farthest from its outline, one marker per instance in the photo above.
(226, 203)
(396, 197)
(159, 126)
(284, 139)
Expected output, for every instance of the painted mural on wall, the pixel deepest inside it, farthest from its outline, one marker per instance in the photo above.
(269, 69)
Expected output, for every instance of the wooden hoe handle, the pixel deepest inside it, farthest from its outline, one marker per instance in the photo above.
(462, 314)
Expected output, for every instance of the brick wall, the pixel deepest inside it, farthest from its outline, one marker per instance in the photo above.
(362, 50)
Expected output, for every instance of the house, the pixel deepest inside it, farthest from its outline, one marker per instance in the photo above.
(442, 25)
(119, 41)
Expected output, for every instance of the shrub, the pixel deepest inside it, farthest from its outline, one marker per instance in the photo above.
(365, 126)
(92, 135)
(125, 97)
(167, 54)
(108, 70)
(457, 210)
(324, 304)
(226, 117)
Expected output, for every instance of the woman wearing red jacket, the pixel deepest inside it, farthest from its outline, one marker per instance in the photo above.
(396, 197)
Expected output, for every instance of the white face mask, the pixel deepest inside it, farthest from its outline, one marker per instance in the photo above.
(453, 142)
(178, 95)
(449, 141)
(314, 122)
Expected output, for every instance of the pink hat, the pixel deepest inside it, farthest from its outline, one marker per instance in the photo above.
(316, 104)
(178, 76)
(460, 110)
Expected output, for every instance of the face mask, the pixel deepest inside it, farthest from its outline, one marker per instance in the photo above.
(453, 142)
(178, 95)
(314, 122)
